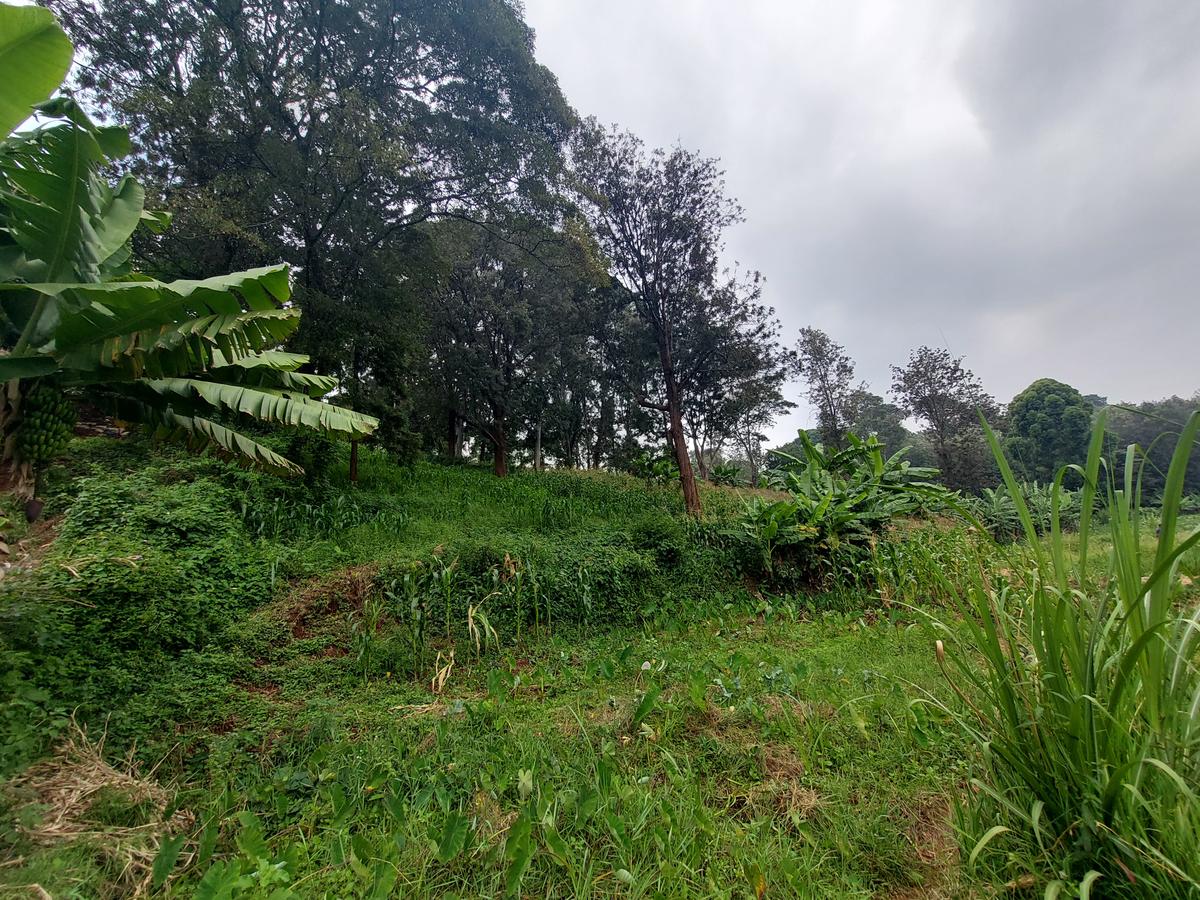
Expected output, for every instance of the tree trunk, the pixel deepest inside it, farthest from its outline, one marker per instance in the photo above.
(500, 444)
(604, 431)
(701, 462)
(691, 494)
(453, 434)
(537, 448)
(354, 461)
(751, 460)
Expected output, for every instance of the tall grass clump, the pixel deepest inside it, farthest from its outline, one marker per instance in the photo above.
(1080, 689)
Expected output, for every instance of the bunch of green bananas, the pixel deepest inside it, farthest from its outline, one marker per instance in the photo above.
(47, 423)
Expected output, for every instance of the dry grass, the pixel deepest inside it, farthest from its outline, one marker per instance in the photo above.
(414, 710)
(932, 838)
(490, 820)
(342, 590)
(66, 789)
(779, 761)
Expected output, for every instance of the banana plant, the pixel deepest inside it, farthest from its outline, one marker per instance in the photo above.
(838, 500)
(768, 525)
(191, 359)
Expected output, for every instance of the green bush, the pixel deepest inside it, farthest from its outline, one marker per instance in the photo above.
(727, 474)
(145, 567)
(838, 501)
(587, 579)
(655, 469)
(997, 511)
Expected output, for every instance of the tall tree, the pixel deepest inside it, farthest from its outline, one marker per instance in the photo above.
(1153, 426)
(760, 403)
(829, 374)
(320, 132)
(1048, 427)
(501, 322)
(659, 218)
(741, 381)
(936, 389)
(874, 415)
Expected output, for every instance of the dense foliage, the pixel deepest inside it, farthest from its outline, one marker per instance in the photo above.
(158, 554)
(1154, 426)
(839, 501)
(829, 374)
(936, 389)
(325, 134)
(1048, 427)
(660, 218)
(189, 358)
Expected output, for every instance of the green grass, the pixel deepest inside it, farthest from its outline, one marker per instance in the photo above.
(779, 749)
(671, 733)
(436, 683)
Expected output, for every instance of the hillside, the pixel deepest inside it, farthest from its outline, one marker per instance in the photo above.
(654, 724)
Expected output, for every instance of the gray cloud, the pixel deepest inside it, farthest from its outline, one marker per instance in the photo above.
(1016, 181)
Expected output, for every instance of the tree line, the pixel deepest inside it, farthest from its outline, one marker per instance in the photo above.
(1044, 428)
(481, 267)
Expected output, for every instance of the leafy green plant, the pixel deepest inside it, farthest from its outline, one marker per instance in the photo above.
(838, 501)
(512, 577)
(364, 633)
(654, 469)
(445, 581)
(192, 359)
(727, 474)
(1081, 692)
(997, 511)
(409, 598)
(768, 525)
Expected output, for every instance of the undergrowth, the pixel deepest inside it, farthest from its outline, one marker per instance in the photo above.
(438, 682)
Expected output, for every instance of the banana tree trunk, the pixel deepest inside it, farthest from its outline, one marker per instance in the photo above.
(18, 476)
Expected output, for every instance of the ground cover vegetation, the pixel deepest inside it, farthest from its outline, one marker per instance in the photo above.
(536, 611)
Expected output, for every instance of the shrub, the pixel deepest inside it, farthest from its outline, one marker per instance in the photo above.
(838, 501)
(602, 578)
(727, 474)
(145, 567)
(654, 469)
(997, 511)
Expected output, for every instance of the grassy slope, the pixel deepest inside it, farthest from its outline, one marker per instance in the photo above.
(775, 747)
(781, 747)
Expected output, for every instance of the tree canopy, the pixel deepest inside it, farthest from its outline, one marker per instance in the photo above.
(659, 217)
(829, 375)
(1048, 427)
(936, 389)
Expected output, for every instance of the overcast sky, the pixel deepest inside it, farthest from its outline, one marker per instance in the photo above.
(1018, 182)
